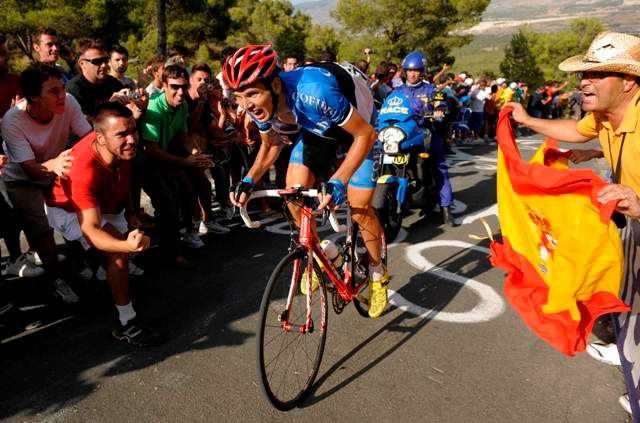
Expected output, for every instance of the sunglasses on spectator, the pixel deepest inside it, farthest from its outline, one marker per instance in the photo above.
(98, 61)
(176, 87)
(595, 76)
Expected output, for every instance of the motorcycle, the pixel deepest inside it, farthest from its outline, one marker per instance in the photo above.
(405, 179)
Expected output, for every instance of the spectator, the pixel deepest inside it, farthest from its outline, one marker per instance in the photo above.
(10, 94)
(35, 133)
(178, 55)
(165, 123)
(154, 68)
(200, 122)
(490, 114)
(380, 85)
(92, 205)
(93, 85)
(362, 65)
(44, 42)
(290, 63)
(118, 64)
(535, 106)
(478, 96)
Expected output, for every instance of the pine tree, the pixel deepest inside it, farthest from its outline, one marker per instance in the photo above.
(519, 63)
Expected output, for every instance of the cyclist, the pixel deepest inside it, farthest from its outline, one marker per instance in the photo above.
(420, 95)
(328, 105)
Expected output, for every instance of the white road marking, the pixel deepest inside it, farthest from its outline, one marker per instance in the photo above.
(490, 305)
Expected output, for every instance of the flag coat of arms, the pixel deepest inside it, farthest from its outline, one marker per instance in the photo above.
(561, 251)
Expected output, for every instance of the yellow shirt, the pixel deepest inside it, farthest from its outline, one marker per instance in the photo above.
(593, 125)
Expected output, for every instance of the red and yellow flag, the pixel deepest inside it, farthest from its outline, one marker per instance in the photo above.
(562, 252)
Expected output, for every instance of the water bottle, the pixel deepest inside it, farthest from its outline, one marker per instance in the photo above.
(332, 252)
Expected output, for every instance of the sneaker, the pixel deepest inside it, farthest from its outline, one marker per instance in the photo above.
(86, 274)
(212, 227)
(623, 400)
(24, 268)
(228, 213)
(315, 282)
(35, 258)
(135, 333)
(378, 295)
(192, 240)
(604, 353)
(64, 292)
(134, 270)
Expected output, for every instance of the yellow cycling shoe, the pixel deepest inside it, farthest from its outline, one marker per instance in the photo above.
(315, 281)
(378, 295)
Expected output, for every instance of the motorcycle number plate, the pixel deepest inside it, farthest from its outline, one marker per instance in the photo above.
(401, 159)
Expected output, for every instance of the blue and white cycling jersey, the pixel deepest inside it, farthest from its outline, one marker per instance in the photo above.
(322, 97)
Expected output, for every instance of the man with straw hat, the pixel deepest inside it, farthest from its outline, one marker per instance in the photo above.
(609, 75)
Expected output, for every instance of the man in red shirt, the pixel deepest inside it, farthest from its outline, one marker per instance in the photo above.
(92, 204)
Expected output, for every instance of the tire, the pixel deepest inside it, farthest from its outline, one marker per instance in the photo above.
(361, 269)
(288, 361)
(386, 205)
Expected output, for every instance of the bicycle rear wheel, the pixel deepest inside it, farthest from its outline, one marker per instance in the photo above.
(288, 360)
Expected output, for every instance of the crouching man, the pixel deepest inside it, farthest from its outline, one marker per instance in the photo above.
(92, 204)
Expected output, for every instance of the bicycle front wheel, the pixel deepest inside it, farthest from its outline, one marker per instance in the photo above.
(288, 355)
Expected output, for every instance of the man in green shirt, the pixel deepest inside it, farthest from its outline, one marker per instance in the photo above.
(166, 150)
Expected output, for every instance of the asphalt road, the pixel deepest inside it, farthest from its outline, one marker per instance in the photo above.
(449, 349)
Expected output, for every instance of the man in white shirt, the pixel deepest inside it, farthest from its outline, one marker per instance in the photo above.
(35, 134)
(478, 96)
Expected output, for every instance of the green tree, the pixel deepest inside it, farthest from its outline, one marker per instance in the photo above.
(550, 49)
(269, 21)
(322, 40)
(519, 63)
(400, 27)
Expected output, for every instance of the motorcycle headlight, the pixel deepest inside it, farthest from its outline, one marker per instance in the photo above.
(391, 137)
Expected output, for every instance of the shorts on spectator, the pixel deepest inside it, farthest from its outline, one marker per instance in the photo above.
(68, 225)
(28, 202)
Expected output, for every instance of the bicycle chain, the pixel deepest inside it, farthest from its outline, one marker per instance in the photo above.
(336, 300)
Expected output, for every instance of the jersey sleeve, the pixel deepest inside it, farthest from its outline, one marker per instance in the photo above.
(588, 126)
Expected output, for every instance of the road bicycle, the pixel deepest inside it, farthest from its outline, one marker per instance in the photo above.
(292, 327)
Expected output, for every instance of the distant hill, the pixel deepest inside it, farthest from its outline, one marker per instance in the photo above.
(320, 11)
(506, 15)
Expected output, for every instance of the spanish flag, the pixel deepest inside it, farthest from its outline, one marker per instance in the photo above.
(561, 251)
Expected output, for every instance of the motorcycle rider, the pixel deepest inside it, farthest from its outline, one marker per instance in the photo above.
(420, 94)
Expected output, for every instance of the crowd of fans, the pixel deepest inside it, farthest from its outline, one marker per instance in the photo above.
(473, 104)
(191, 138)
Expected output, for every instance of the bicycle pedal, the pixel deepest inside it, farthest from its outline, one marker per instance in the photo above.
(363, 300)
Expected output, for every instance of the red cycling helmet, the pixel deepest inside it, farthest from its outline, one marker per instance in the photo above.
(248, 65)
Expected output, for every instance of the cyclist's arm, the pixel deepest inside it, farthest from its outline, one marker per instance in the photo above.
(561, 129)
(267, 155)
(363, 138)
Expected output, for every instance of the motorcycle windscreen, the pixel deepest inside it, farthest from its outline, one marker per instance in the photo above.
(396, 107)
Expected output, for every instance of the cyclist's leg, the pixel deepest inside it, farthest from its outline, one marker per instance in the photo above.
(309, 158)
(360, 192)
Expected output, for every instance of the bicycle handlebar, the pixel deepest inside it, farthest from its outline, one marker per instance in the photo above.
(312, 193)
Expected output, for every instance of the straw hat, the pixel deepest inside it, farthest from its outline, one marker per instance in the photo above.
(609, 52)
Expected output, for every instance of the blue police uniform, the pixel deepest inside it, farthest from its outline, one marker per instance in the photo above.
(419, 97)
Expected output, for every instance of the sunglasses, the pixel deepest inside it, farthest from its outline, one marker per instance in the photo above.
(595, 76)
(176, 87)
(98, 61)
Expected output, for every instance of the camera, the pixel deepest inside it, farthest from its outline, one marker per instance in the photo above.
(133, 95)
